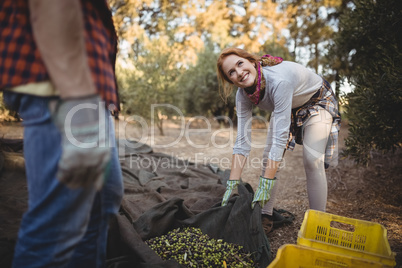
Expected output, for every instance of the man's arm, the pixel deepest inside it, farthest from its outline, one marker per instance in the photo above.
(58, 29)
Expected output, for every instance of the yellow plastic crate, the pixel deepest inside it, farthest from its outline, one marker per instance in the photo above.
(357, 238)
(296, 256)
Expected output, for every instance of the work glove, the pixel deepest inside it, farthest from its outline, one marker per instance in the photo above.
(263, 192)
(85, 154)
(230, 186)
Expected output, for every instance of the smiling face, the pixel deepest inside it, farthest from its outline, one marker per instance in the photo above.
(240, 71)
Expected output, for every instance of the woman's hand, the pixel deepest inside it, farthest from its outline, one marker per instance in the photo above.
(263, 192)
(230, 186)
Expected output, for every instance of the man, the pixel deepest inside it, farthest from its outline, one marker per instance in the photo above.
(57, 70)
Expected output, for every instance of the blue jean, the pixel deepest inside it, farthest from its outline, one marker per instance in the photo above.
(62, 227)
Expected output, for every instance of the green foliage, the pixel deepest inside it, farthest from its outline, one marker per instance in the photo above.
(5, 113)
(200, 89)
(276, 50)
(311, 29)
(150, 80)
(371, 35)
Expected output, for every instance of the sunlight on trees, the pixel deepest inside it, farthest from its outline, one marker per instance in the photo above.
(168, 51)
(163, 40)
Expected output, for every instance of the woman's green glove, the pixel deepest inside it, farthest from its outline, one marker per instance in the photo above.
(263, 192)
(230, 186)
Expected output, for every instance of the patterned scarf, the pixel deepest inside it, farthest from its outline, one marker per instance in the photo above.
(257, 90)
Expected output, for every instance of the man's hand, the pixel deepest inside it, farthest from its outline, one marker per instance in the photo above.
(263, 192)
(85, 154)
(230, 186)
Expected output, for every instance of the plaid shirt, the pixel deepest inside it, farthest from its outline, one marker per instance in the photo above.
(20, 60)
(324, 98)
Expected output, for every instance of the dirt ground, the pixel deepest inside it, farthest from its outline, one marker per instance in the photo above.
(371, 193)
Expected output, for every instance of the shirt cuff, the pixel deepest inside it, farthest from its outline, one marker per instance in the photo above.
(276, 154)
(242, 152)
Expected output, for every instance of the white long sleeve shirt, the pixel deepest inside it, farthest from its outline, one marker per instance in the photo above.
(288, 85)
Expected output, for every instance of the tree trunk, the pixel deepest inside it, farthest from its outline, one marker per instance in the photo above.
(159, 124)
(337, 83)
(316, 57)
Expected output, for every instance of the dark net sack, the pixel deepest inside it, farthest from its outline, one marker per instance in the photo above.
(176, 193)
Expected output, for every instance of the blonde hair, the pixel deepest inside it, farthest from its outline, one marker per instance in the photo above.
(225, 85)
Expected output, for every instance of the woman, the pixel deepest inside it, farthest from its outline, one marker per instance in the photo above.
(303, 109)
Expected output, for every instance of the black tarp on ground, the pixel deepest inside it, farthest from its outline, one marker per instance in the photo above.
(13, 196)
(162, 193)
(235, 223)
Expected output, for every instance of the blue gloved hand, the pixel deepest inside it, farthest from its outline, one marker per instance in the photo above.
(263, 192)
(85, 154)
(230, 186)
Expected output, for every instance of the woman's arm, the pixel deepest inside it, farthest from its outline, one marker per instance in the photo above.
(244, 117)
(238, 162)
(279, 127)
(271, 168)
(243, 140)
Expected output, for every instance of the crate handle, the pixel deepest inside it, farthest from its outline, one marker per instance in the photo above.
(342, 226)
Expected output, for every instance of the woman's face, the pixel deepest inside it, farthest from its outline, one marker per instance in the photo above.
(239, 70)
